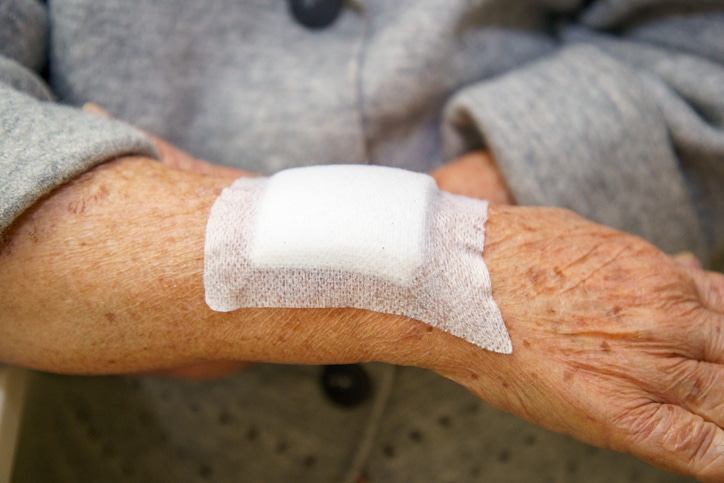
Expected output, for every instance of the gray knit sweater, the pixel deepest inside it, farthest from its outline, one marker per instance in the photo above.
(612, 108)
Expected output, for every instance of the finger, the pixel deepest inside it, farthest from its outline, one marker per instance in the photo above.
(167, 153)
(177, 158)
(93, 108)
(209, 169)
(174, 157)
(696, 386)
(171, 155)
(698, 336)
(714, 295)
(688, 260)
(671, 437)
(475, 175)
(714, 346)
(702, 328)
(711, 289)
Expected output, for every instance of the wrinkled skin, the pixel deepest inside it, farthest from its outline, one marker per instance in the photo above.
(614, 342)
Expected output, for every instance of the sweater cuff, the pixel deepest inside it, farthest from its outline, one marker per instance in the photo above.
(579, 131)
(45, 145)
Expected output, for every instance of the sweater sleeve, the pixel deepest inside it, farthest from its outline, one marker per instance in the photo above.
(44, 144)
(623, 124)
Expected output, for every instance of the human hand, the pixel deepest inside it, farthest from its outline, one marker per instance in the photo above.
(475, 175)
(615, 343)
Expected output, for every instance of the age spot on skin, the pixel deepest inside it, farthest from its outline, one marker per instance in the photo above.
(76, 207)
(544, 280)
(614, 312)
(33, 236)
(79, 206)
(536, 276)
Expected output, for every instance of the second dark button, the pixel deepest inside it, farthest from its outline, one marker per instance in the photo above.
(347, 385)
(315, 14)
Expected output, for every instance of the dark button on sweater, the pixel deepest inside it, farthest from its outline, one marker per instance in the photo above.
(315, 14)
(347, 385)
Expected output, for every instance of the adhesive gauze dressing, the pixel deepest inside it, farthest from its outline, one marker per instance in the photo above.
(367, 237)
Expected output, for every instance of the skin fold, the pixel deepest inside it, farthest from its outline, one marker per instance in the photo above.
(615, 343)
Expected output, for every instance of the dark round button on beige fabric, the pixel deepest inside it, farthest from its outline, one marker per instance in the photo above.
(346, 385)
(315, 14)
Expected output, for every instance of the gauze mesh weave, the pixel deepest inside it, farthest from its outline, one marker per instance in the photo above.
(449, 289)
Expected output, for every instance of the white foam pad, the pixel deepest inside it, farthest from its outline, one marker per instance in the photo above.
(363, 219)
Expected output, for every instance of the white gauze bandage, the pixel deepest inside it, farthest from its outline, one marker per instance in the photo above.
(367, 237)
